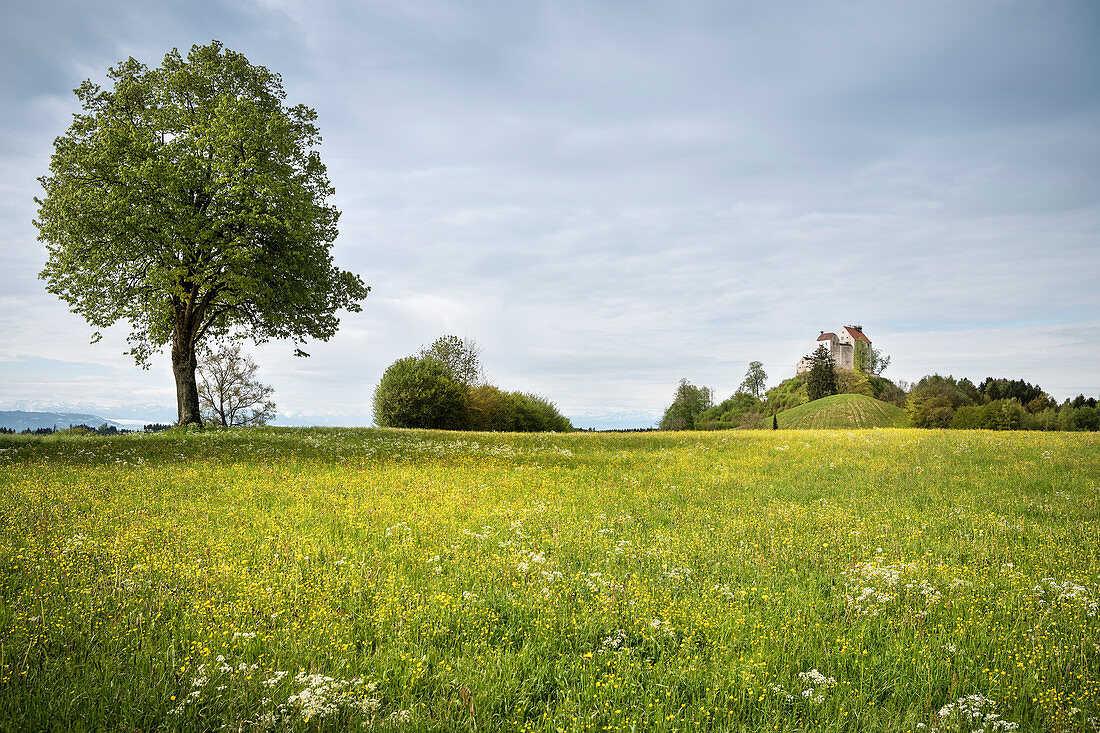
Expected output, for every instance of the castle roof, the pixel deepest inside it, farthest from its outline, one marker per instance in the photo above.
(856, 334)
(826, 336)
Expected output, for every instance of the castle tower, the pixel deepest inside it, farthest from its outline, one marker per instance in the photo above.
(841, 347)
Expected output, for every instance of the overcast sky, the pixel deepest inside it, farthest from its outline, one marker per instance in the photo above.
(610, 196)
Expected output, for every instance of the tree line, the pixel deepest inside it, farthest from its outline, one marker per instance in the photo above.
(995, 404)
(753, 406)
(81, 429)
(933, 402)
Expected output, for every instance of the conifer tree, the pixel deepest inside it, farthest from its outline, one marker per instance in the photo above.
(821, 380)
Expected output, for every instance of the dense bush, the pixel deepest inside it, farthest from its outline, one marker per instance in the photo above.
(1079, 418)
(728, 413)
(1011, 415)
(419, 392)
(995, 415)
(785, 395)
(885, 390)
(443, 387)
(850, 381)
(492, 409)
(535, 413)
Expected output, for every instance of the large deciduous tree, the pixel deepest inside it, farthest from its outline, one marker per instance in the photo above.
(756, 380)
(189, 201)
(689, 403)
(869, 360)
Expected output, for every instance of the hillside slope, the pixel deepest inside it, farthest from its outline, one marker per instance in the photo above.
(841, 411)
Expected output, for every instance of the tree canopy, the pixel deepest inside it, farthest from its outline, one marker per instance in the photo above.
(755, 380)
(461, 357)
(868, 359)
(689, 403)
(189, 201)
(934, 399)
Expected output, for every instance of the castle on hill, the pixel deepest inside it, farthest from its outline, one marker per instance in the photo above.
(841, 347)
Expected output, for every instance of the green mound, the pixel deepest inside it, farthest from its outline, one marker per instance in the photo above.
(843, 411)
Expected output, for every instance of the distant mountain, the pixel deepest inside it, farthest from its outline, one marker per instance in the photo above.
(18, 420)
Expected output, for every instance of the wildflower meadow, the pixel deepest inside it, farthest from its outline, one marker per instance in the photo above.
(334, 579)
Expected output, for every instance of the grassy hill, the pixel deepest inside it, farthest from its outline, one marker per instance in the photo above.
(843, 411)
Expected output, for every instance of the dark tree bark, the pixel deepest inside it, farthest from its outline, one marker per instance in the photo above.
(184, 364)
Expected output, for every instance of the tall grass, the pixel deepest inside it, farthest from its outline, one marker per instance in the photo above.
(379, 579)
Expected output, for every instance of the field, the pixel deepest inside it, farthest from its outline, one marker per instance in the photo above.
(844, 412)
(279, 579)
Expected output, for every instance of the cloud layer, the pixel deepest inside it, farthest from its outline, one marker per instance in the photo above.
(612, 196)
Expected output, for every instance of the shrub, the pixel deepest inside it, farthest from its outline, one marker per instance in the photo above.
(967, 417)
(492, 409)
(419, 392)
(727, 414)
(885, 390)
(995, 415)
(534, 413)
(1045, 420)
(1079, 418)
(850, 381)
(785, 395)
(753, 421)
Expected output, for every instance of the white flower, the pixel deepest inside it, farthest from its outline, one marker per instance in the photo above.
(274, 679)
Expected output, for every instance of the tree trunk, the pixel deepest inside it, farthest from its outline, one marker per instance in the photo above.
(184, 364)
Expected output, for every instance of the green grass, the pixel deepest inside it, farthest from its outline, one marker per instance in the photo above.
(279, 579)
(843, 412)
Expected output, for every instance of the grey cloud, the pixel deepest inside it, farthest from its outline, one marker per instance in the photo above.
(611, 196)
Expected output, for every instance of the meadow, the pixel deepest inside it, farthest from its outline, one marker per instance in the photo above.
(328, 579)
